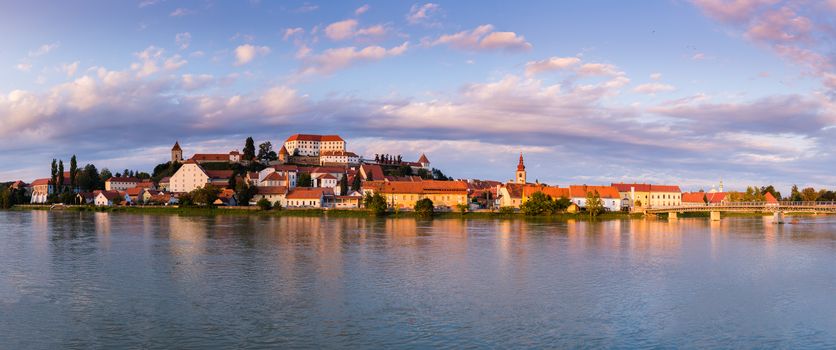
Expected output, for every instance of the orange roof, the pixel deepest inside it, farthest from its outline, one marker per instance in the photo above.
(417, 187)
(326, 176)
(272, 190)
(622, 187)
(699, 197)
(218, 174)
(308, 137)
(521, 165)
(309, 193)
(275, 176)
(551, 191)
(226, 193)
(769, 198)
(578, 191)
(283, 151)
(423, 159)
(40, 182)
(134, 191)
(205, 157)
(373, 170)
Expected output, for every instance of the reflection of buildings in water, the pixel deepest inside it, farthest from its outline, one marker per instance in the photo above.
(101, 222)
(187, 242)
(40, 229)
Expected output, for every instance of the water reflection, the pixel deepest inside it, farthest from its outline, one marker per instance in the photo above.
(81, 280)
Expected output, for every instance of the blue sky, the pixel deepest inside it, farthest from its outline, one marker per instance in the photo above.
(684, 92)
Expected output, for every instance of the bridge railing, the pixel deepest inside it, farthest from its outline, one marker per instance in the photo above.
(781, 204)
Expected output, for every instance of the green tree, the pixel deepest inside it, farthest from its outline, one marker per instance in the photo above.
(438, 175)
(205, 195)
(249, 150)
(89, 179)
(809, 194)
(266, 153)
(60, 187)
(424, 207)
(53, 178)
(264, 204)
(304, 180)
(594, 205)
(563, 203)
(105, 174)
(538, 204)
(357, 183)
(5, 198)
(462, 207)
(423, 173)
(375, 203)
(795, 195)
(245, 192)
(344, 185)
(73, 173)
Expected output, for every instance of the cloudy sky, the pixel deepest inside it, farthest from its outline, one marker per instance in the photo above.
(674, 91)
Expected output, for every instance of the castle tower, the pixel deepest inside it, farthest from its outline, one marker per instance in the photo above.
(176, 153)
(520, 178)
(425, 163)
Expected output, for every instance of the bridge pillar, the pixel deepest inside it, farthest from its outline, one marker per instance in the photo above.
(715, 216)
(672, 215)
(778, 217)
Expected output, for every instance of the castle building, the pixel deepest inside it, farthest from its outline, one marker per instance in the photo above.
(176, 153)
(520, 178)
(312, 145)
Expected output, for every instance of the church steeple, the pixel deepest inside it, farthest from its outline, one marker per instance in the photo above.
(176, 153)
(520, 178)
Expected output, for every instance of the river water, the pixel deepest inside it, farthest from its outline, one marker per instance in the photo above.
(115, 281)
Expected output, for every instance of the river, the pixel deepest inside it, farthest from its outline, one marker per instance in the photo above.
(118, 281)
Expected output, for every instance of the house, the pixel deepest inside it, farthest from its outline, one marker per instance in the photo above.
(85, 198)
(165, 183)
(134, 194)
(324, 180)
(192, 176)
(163, 198)
(404, 194)
(338, 157)
(286, 176)
(351, 200)
(146, 184)
(703, 198)
(312, 145)
(120, 183)
(231, 157)
(309, 198)
(509, 195)
(637, 195)
(41, 189)
(272, 194)
(146, 195)
(610, 198)
(371, 172)
(108, 198)
(226, 198)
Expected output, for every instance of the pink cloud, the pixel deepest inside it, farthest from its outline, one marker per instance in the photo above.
(332, 60)
(550, 64)
(348, 29)
(422, 14)
(484, 38)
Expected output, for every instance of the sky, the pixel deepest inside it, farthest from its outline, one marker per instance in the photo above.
(591, 92)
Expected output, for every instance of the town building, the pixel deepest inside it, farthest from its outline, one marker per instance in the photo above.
(404, 194)
(520, 176)
(108, 198)
(642, 195)
(309, 198)
(609, 195)
(176, 153)
(120, 183)
(338, 158)
(192, 176)
(312, 145)
(41, 189)
(231, 157)
(272, 194)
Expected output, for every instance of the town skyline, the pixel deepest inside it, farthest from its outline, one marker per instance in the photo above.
(680, 92)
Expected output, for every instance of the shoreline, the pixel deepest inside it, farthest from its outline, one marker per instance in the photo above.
(361, 213)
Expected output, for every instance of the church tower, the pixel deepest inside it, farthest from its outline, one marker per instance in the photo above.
(520, 178)
(176, 153)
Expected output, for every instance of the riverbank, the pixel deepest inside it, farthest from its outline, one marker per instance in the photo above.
(340, 213)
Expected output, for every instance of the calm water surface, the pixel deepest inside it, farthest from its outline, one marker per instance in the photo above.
(114, 281)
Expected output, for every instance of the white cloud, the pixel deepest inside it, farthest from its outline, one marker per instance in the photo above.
(484, 38)
(44, 49)
(195, 82)
(362, 9)
(183, 40)
(152, 58)
(422, 14)
(246, 53)
(290, 32)
(550, 64)
(332, 60)
(70, 69)
(347, 29)
(656, 76)
(180, 12)
(653, 88)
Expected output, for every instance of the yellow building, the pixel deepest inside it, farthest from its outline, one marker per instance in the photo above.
(648, 196)
(404, 194)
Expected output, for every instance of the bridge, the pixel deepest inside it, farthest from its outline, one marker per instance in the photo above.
(777, 208)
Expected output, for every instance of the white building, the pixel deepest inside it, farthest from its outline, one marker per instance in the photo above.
(312, 145)
(286, 176)
(325, 181)
(609, 195)
(192, 176)
(338, 157)
(107, 198)
(120, 183)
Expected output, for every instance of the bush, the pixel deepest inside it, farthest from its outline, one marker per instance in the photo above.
(375, 203)
(277, 205)
(507, 210)
(462, 207)
(424, 207)
(538, 204)
(264, 204)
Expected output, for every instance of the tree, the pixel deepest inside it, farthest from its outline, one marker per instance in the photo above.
(344, 185)
(264, 204)
(357, 183)
(53, 179)
(245, 192)
(105, 174)
(438, 175)
(5, 198)
(795, 195)
(266, 153)
(249, 150)
(60, 176)
(304, 180)
(538, 204)
(89, 179)
(771, 189)
(462, 207)
(423, 173)
(594, 205)
(73, 173)
(375, 203)
(563, 203)
(205, 195)
(424, 207)
(809, 194)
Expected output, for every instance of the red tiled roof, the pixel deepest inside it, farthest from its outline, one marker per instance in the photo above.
(328, 169)
(423, 159)
(276, 176)
(769, 198)
(307, 137)
(283, 167)
(326, 176)
(218, 174)
(309, 193)
(552, 191)
(699, 197)
(272, 190)
(176, 146)
(374, 170)
(205, 157)
(40, 182)
(603, 191)
(622, 187)
(110, 195)
(284, 151)
(419, 187)
(133, 192)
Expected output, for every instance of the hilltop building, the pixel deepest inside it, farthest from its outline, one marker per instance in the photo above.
(312, 145)
(176, 153)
